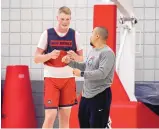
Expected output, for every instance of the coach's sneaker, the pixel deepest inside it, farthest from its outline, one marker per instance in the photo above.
(109, 124)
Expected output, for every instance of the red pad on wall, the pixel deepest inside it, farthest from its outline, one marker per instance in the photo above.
(105, 15)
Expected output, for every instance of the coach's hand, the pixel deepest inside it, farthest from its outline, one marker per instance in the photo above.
(66, 59)
(77, 72)
(72, 55)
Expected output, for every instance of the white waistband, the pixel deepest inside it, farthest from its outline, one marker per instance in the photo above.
(58, 72)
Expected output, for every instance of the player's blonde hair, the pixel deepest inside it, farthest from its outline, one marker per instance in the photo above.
(64, 10)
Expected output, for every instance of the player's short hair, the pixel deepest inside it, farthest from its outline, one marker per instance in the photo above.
(103, 32)
(64, 10)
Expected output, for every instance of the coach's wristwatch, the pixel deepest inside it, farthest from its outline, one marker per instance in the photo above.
(82, 73)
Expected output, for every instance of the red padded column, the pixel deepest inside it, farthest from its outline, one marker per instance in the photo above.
(105, 15)
(18, 107)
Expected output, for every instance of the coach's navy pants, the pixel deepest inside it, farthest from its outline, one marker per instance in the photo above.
(94, 112)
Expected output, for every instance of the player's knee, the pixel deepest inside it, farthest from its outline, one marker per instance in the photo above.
(50, 115)
(65, 113)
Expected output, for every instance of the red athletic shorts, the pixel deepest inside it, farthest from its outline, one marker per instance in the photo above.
(59, 92)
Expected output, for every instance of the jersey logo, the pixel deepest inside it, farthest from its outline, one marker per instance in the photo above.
(61, 43)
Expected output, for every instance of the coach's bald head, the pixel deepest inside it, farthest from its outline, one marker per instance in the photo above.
(99, 34)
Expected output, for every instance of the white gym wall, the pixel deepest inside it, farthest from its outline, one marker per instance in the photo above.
(23, 21)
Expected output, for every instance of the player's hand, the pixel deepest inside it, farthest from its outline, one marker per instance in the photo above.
(77, 72)
(66, 59)
(72, 55)
(54, 54)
